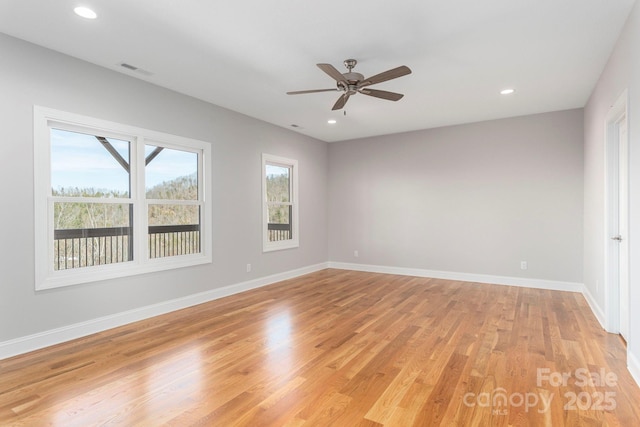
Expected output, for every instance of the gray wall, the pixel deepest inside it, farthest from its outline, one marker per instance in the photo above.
(32, 75)
(476, 198)
(621, 72)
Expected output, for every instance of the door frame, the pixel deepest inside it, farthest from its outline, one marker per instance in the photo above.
(612, 248)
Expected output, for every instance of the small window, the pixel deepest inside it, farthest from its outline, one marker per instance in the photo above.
(114, 200)
(280, 203)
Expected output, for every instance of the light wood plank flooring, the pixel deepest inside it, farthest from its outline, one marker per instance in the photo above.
(338, 348)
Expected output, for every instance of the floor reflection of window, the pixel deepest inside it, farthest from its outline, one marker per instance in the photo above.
(279, 346)
(181, 371)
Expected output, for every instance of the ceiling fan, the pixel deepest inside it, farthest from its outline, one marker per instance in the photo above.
(351, 83)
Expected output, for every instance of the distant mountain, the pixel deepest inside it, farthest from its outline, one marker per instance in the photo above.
(181, 188)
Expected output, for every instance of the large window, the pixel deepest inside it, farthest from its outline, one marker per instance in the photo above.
(113, 200)
(279, 203)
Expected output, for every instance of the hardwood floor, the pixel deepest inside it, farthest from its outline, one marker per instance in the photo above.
(338, 348)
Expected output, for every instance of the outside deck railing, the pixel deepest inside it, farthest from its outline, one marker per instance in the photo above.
(172, 240)
(279, 232)
(84, 247)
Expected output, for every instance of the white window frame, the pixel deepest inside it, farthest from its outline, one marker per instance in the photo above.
(45, 276)
(294, 242)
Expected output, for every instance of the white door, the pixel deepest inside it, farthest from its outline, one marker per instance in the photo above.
(623, 225)
(617, 223)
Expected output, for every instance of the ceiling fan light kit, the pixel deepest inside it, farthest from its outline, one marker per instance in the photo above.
(352, 83)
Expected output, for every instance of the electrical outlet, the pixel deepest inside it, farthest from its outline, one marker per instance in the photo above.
(248, 268)
(523, 265)
(355, 253)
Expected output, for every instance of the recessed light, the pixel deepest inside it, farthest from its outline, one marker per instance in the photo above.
(332, 121)
(507, 91)
(85, 12)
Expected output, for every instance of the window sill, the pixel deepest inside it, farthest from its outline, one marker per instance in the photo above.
(58, 279)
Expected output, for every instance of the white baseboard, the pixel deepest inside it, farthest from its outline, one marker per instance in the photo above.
(66, 333)
(633, 365)
(466, 277)
(595, 308)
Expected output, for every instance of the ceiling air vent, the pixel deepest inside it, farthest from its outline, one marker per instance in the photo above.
(129, 66)
(136, 69)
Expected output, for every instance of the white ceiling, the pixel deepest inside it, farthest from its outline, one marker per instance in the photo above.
(244, 55)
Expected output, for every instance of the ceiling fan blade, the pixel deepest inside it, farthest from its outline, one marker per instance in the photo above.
(391, 96)
(331, 71)
(300, 92)
(341, 101)
(394, 73)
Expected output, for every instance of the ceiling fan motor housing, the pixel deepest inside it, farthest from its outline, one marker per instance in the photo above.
(353, 77)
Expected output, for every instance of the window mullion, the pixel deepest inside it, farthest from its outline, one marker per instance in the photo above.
(279, 203)
(101, 200)
(173, 202)
(140, 226)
